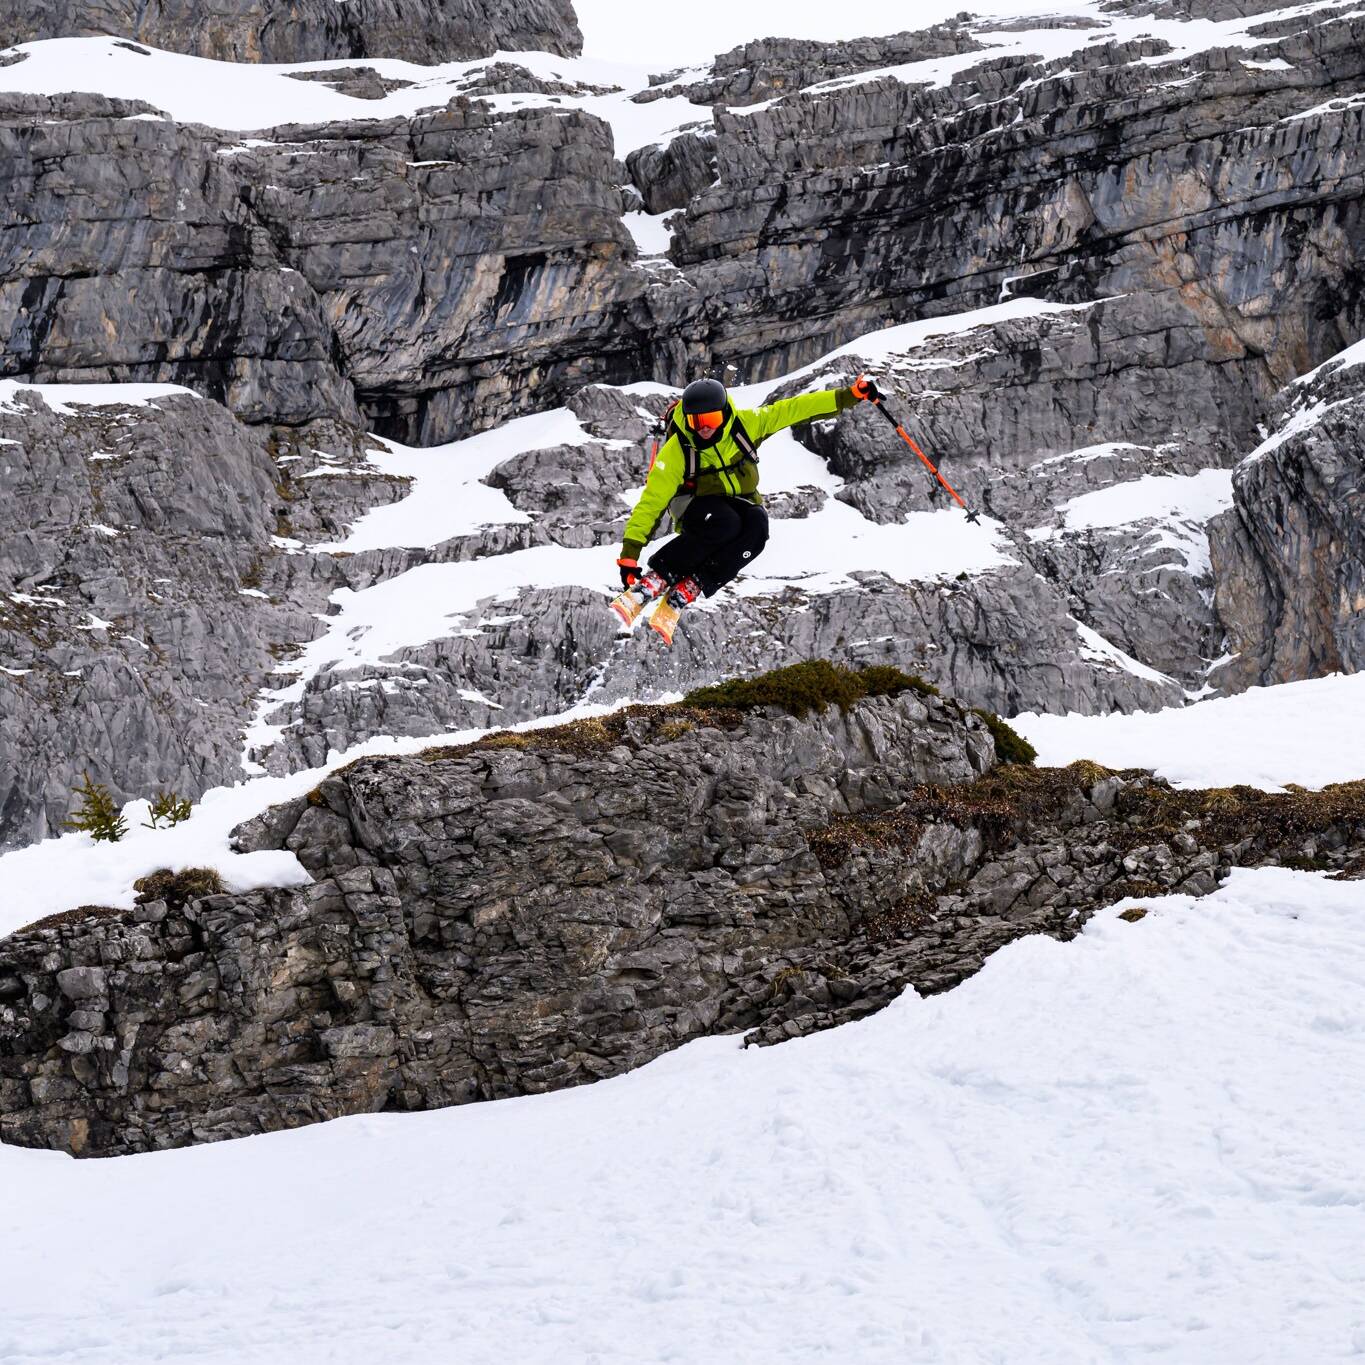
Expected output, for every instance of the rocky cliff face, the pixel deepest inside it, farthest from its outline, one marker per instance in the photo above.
(1165, 227)
(142, 249)
(446, 269)
(546, 909)
(1291, 579)
(306, 30)
(1110, 170)
(146, 597)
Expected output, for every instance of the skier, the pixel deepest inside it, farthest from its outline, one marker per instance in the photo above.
(706, 474)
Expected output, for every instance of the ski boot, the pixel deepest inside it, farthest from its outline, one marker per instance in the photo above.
(663, 620)
(630, 605)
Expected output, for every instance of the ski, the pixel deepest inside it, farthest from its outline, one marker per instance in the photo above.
(663, 620)
(630, 605)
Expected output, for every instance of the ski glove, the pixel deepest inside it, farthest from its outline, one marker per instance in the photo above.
(630, 572)
(863, 388)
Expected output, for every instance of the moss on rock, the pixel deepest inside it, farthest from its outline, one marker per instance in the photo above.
(809, 686)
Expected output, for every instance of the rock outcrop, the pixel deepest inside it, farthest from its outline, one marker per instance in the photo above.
(306, 30)
(544, 909)
(146, 596)
(248, 269)
(1290, 555)
(1103, 172)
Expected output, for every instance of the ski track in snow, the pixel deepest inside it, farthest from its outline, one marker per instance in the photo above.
(1144, 1144)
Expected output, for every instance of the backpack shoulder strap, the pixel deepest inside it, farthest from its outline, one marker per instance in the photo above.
(691, 455)
(743, 440)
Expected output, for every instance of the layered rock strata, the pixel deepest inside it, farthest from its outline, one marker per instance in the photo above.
(441, 272)
(449, 269)
(1107, 171)
(306, 30)
(1290, 555)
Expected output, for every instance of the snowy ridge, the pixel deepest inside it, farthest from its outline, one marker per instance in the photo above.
(245, 97)
(68, 398)
(1304, 732)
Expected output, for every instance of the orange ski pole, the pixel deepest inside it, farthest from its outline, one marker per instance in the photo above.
(877, 399)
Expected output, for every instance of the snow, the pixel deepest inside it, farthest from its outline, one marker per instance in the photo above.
(651, 232)
(1191, 497)
(822, 552)
(1097, 649)
(1343, 360)
(1144, 1144)
(1180, 504)
(892, 343)
(48, 877)
(67, 398)
(1308, 733)
(622, 53)
(448, 497)
(626, 32)
(251, 96)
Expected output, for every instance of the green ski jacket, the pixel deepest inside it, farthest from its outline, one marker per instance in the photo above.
(724, 467)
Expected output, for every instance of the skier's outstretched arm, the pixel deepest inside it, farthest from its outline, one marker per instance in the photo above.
(665, 478)
(787, 412)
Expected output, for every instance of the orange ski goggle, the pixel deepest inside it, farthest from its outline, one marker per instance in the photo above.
(704, 421)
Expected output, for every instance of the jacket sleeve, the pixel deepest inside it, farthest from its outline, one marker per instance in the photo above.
(787, 412)
(665, 478)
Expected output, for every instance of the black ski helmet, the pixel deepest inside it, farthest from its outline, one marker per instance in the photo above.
(704, 395)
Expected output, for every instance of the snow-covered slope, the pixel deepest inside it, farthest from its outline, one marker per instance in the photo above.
(1145, 1144)
(1307, 733)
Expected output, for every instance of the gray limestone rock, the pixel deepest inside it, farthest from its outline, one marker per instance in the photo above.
(149, 585)
(446, 271)
(1288, 556)
(306, 30)
(543, 910)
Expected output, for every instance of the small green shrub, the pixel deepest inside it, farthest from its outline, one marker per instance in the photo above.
(177, 889)
(504, 739)
(1299, 862)
(1010, 745)
(886, 680)
(167, 809)
(809, 686)
(98, 816)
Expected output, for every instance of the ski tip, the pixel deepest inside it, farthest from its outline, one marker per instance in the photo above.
(620, 614)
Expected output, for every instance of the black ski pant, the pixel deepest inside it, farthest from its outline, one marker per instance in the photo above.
(718, 536)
